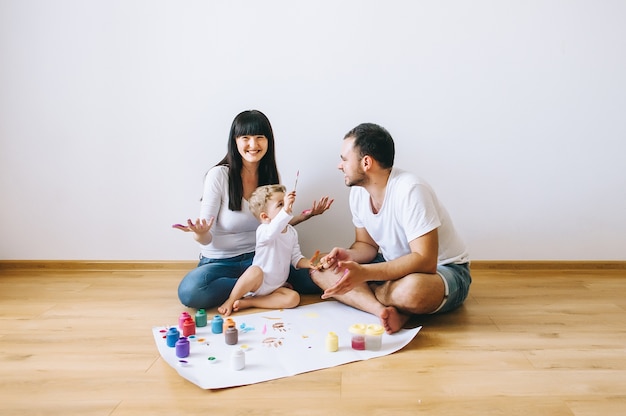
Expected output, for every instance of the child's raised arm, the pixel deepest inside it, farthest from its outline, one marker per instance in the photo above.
(290, 198)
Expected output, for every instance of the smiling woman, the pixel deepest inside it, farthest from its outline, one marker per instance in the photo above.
(226, 229)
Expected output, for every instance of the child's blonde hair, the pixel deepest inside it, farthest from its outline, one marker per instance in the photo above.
(260, 196)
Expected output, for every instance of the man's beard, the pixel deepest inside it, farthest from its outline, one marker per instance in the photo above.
(359, 180)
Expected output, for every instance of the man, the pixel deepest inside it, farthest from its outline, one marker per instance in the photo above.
(406, 257)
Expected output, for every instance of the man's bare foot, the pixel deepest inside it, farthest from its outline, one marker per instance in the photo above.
(392, 320)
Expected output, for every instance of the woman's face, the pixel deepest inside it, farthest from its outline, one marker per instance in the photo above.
(252, 148)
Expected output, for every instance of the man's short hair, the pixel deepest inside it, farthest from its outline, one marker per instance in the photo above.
(375, 141)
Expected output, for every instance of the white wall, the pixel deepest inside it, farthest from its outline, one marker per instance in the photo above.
(112, 111)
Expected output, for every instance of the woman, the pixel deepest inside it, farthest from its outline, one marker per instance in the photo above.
(226, 228)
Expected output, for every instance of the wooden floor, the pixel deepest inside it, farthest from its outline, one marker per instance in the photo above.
(527, 342)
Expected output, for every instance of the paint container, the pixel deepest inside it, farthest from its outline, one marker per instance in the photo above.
(332, 342)
(228, 322)
(172, 336)
(358, 336)
(374, 337)
(217, 324)
(181, 319)
(238, 360)
(182, 347)
(200, 318)
(189, 327)
(231, 335)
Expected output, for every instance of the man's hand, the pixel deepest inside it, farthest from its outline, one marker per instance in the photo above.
(350, 274)
(330, 260)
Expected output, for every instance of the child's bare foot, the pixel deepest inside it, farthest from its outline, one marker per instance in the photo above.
(242, 304)
(227, 307)
(392, 320)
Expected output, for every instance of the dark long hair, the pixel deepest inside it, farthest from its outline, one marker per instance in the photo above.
(248, 123)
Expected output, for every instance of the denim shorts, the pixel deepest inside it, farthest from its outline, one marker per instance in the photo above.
(456, 279)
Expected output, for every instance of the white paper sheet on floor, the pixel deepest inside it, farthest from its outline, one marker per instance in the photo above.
(280, 343)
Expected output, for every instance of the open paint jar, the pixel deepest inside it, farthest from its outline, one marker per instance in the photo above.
(358, 336)
(374, 337)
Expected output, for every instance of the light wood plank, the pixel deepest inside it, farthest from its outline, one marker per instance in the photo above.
(78, 341)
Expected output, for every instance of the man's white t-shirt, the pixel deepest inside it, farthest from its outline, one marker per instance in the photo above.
(410, 209)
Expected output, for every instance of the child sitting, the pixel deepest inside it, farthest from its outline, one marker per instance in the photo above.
(262, 285)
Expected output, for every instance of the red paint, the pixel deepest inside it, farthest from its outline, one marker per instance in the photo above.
(189, 327)
(358, 342)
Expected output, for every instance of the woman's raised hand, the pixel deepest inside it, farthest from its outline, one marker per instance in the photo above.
(201, 226)
(319, 207)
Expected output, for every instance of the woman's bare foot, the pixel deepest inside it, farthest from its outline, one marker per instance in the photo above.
(392, 320)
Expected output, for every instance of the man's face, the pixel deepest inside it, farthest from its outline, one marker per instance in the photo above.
(350, 164)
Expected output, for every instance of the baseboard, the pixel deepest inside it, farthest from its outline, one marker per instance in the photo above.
(548, 265)
(186, 265)
(95, 265)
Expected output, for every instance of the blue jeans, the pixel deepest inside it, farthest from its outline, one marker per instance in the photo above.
(210, 283)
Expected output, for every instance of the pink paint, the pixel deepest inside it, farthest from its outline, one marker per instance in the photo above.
(358, 336)
(181, 319)
(358, 342)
